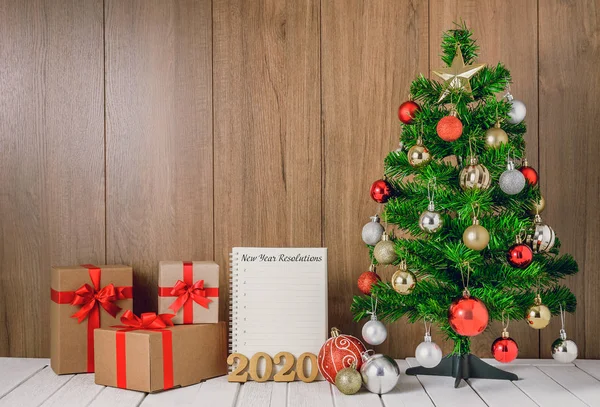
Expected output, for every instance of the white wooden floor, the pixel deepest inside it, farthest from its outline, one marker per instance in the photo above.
(31, 382)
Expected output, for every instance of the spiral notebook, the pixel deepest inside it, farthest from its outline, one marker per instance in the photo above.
(278, 300)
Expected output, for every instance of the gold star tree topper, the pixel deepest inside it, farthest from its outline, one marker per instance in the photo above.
(457, 75)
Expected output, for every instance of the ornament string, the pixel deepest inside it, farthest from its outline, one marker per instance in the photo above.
(505, 326)
(466, 292)
(427, 322)
(476, 210)
(431, 190)
(563, 333)
(373, 311)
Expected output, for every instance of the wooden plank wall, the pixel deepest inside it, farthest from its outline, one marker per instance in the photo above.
(176, 129)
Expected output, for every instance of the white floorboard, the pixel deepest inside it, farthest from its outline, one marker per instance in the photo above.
(112, 397)
(408, 391)
(545, 383)
(35, 390)
(182, 397)
(316, 394)
(218, 393)
(77, 392)
(541, 388)
(363, 398)
(14, 371)
(576, 381)
(442, 391)
(592, 367)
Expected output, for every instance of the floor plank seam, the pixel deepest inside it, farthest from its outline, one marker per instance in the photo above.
(23, 381)
(557, 382)
(476, 392)
(96, 396)
(58, 388)
(425, 389)
(588, 373)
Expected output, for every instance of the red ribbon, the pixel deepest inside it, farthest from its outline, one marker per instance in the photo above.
(188, 292)
(91, 298)
(151, 322)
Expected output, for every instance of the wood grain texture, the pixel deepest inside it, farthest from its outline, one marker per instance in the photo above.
(370, 53)
(510, 37)
(267, 137)
(52, 166)
(158, 137)
(570, 174)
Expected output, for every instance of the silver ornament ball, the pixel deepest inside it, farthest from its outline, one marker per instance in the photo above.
(512, 181)
(564, 350)
(372, 231)
(430, 220)
(380, 373)
(543, 237)
(517, 112)
(374, 332)
(428, 353)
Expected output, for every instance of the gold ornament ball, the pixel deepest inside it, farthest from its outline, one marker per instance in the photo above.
(538, 316)
(384, 251)
(475, 176)
(418, 155)
(495, 136)
(476, 237)
(538, 207)
(348, 380)
(404, 281)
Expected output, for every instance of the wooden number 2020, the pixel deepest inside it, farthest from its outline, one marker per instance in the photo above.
(286, 374)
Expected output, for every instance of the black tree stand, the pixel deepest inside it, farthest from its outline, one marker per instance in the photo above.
(463, 367)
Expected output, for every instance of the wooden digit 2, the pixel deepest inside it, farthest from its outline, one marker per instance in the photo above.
(287, 373)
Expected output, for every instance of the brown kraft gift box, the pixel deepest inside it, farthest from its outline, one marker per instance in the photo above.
(190, 290)
(82, 299)
(146, 360)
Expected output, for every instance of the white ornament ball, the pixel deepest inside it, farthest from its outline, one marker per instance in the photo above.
(372, 231)
(512, 181)
(430, 220)
(380, 373)
(374, 332)
(428, 353)
(517, 111)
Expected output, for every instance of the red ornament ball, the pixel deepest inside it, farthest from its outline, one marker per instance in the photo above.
(407, 111)
(381, 191)
(366, 281)
(449, 128)
(468, 316)
(530, 174)
(339, 352)
(505, 350)
(519, 255)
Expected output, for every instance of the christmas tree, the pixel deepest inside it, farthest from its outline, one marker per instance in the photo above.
(476, 249)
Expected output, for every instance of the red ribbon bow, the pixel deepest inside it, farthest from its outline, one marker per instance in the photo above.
(147, 320)
(184, 293)
(90, 298)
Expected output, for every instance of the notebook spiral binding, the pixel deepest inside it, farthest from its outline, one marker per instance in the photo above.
(233, 293)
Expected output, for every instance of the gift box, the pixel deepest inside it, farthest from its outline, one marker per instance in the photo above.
(84, 298)
(148, 353)
(190, 290)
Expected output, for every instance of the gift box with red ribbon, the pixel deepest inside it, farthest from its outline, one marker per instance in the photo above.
(148, 353)
(190, 290)
(84, 298)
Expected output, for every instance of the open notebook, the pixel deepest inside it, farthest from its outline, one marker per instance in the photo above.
(278, 300)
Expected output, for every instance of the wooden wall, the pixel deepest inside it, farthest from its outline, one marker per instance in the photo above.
(140, 130)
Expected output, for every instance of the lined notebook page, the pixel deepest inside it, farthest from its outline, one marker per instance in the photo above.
(278, 300)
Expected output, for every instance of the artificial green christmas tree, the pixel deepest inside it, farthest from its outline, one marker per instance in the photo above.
(477, 249)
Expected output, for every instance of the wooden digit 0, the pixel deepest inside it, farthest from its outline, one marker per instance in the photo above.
(314, 371)
(254, 367)
(237, 376)
(286, 374)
